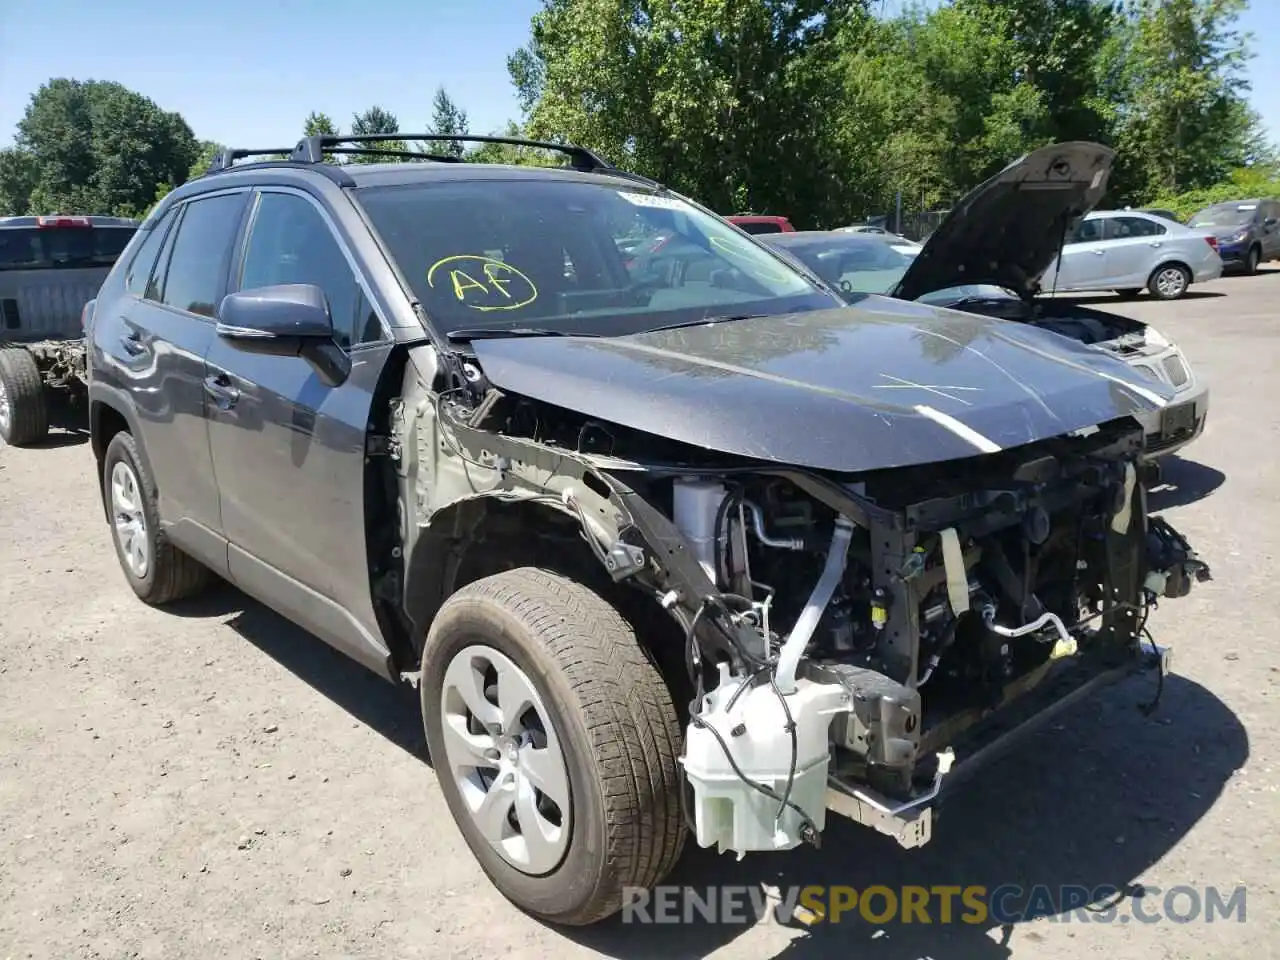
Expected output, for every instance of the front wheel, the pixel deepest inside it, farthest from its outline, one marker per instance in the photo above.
(24, 415)
(1251, 260)
(1169, 282)
(555, 742)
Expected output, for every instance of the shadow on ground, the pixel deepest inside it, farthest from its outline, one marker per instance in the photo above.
(1091, 802)
(1104, 298)
(392, 710)
(1182, 482)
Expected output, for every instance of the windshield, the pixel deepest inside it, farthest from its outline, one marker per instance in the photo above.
(851, 263)
(51, 248)
(1228, 215)
(575, 257)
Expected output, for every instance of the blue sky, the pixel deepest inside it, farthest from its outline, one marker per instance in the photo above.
(247, 72)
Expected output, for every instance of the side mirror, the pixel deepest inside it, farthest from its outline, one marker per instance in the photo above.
(1270, 222)
(287, 320)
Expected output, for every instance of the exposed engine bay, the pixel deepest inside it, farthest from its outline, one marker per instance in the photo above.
(895, 633)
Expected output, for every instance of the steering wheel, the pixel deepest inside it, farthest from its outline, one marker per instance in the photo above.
(845, 286)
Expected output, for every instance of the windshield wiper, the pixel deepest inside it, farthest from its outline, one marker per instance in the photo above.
(467, 334)
(709, 320)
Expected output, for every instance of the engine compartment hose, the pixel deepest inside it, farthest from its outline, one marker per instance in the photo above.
(798, 639)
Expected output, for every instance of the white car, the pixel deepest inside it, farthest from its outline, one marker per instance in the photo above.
(1126, 251)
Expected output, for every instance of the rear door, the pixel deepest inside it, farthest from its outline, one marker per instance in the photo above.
(289, 447)
(50, 267)
(149, 345)
(1134, 245)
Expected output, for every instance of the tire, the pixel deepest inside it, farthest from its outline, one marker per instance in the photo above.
(168, 574)
(24, 413)
(1251, 260)
(1163, 284)
(609, 713)
(1129, 292)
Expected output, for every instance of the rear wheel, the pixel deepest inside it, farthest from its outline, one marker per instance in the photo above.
(555, 741)
(1169, 282)
(24, 415)
(157, 571)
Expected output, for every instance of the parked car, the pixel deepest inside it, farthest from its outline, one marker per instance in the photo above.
(897, 240)
(373, 397)
(1127, 251)
(856, 265)
(50, 267)
(1247, 231)
(755, 224)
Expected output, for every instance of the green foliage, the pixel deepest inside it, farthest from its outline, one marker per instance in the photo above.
(19, 174)
(319, 124)
(447, 117)
(821, 110)
(376, 120)
(1244, 183)
(94, 147)
(1185, 121)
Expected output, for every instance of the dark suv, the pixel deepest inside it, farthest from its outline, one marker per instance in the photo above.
(668, 545)
(1248, 231)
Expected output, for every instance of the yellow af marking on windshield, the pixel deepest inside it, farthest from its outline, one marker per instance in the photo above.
(503, 286)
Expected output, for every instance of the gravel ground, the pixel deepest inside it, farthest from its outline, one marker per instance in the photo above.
(210, 779)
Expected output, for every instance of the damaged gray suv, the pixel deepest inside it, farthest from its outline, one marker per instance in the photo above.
(670, 546)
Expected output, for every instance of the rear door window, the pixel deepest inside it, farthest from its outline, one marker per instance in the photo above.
(1123, 228)
(197, 267)
(144, 261)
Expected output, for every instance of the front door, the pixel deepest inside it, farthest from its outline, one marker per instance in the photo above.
(289, 446)
(1083, 264)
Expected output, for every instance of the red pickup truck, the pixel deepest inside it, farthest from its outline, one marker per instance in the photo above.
(760, 224)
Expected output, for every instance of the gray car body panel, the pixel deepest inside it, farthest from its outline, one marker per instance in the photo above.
(878, 385)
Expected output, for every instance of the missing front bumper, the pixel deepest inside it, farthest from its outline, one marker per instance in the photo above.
(910, 822)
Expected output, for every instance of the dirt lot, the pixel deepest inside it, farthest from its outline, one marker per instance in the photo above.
(211, 781)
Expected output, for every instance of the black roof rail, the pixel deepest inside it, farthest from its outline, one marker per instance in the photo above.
(226, 157)
(313, 149)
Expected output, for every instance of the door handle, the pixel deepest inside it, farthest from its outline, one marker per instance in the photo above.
(132, 343)
(1099, 253)
(218, 387)
(1157, 243)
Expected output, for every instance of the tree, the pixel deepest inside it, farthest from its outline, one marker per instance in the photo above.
(718, 98)
(447, 117)
(97, 147)
(18, 176)
(319, 124)
(1177, 68)
(376, 120)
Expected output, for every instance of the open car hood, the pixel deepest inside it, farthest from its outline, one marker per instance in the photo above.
(881, 384)
(1008, 230)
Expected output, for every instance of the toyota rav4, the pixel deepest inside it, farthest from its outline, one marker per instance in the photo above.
(668, 547)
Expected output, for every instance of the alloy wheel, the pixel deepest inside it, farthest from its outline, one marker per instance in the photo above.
(1171, 282)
